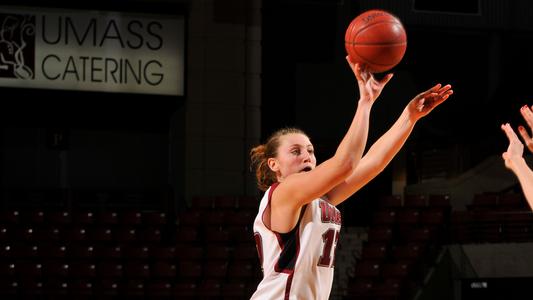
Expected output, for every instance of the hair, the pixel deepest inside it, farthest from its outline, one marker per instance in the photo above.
(260, 154)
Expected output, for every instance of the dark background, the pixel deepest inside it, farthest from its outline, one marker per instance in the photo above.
(482, 48)
(483, 54)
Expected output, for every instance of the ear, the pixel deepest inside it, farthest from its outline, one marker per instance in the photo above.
(273, 164)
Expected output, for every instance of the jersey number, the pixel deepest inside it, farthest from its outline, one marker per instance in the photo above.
(327, 259)
(330, 238)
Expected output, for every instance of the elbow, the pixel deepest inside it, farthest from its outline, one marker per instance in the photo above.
(347, 167)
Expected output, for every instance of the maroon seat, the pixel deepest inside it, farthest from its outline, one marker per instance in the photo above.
(26, 269)
(368, 269)
(390, 202)
(159, 289)
(215, 269)
(185, 290)
(135, 252)
(110, 269)
(210, 288)
(107, 218)
(384, 218)
(219, 252)
(396, 270)
(81, 269)
(81, 288)
(130, 218)
(9, 217)
(234, 290)
(136, 270)
(60, 218)
(83, 218)
(163, 269)
(163, 252)
(202, 203)
(190, 270)
(415, 201)
(380, 234)
(374, 251)
(154, 218)
(78, 251)
(360, 289)
(225, 203)
(240, 271)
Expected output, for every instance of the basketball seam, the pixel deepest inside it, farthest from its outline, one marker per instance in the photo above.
(377, 44)
(370, 25)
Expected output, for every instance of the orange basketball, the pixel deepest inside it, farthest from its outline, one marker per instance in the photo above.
(377, 39)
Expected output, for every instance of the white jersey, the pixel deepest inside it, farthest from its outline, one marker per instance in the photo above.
(299, 264)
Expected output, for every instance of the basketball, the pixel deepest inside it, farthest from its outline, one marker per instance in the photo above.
(377, 39)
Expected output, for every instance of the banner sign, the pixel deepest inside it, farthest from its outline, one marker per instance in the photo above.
(87, 50)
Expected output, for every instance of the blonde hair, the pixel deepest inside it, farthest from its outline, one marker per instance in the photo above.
(260, 154)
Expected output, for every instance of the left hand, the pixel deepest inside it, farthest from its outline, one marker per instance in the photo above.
(515, 149)
(423, 103)
(527, 114)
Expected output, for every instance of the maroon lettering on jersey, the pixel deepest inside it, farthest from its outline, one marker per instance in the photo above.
(329, 213)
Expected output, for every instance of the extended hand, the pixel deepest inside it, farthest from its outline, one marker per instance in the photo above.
(515, 149)
(527, 114)
(423, 103)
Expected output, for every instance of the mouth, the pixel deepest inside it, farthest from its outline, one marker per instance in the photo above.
(306, 169)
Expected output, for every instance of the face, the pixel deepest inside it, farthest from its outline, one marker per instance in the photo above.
(295, 154)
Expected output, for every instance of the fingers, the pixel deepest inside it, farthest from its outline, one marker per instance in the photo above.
(509, 132)
(386, 79)
(434, 88)
(445, 89)
(439, 96)
(523, 133)
(527, 114)
(356, 68)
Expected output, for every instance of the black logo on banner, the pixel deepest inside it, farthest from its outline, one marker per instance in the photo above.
(17, 46)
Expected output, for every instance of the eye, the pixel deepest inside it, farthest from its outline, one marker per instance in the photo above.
(311, 151)
(296, 151)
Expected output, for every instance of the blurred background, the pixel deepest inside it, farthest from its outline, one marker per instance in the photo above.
(126, 128)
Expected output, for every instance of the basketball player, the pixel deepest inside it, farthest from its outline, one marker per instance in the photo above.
(513, 157)
(297, 226)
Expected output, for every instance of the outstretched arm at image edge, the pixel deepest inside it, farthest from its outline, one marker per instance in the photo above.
(514, 161)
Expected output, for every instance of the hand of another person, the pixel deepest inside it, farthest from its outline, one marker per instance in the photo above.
(515, 149)
(527, 114)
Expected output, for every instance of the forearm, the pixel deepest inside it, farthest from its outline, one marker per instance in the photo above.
(377, 158)
(525, 178)
(353, 144)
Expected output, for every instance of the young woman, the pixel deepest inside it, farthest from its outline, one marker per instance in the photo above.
(297, 226)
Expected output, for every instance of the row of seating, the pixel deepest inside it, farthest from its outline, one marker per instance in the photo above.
(498, 202)
(488, 226)
(80, 269)
(81, 234)
(63, 217)
(403, 235)
(129, 289)
(72, 252)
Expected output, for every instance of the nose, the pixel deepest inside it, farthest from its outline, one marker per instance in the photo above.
(307, 156)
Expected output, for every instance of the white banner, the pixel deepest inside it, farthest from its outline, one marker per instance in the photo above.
(92, 51)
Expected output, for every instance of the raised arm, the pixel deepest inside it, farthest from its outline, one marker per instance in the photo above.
(515, 162)
(387, 146)
(298, 189)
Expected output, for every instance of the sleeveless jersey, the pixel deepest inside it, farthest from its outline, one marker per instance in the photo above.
(299, 264)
